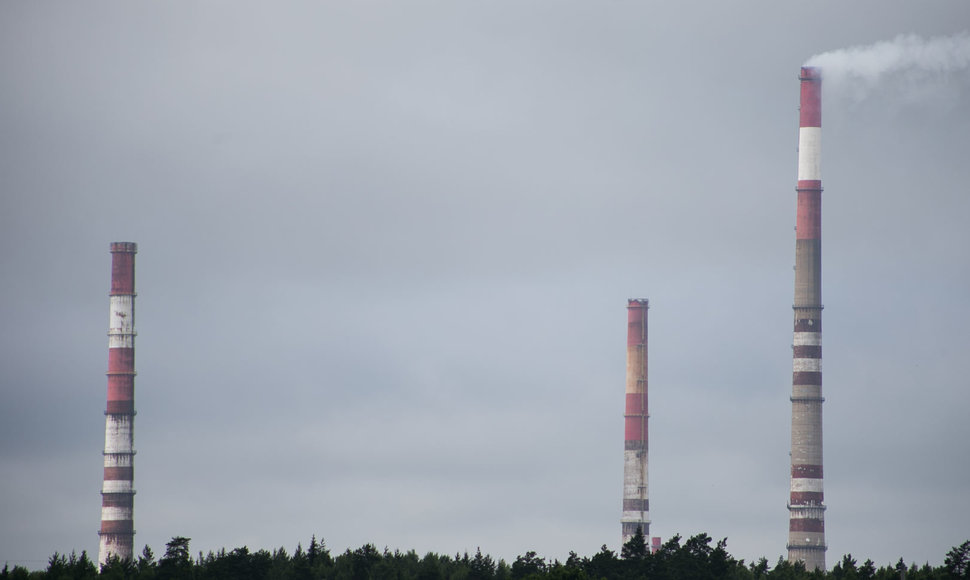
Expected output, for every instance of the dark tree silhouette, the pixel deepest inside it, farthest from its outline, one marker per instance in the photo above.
(636, 547)
(957, 562)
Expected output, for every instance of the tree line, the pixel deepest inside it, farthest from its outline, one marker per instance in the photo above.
(697, 558)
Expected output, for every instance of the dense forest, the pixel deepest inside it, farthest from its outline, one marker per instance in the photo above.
(697, 558)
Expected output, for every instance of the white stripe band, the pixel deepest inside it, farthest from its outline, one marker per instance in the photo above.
(807, 365)
(808, 339)
(809, 153)
(121, 316)
(117, 460)
(117, 434)
(121, 341)
(634, 473)
(116, 486)
(801, 484)
(109, 514)
(806, 513)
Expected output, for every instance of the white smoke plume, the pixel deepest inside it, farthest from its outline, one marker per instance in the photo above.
(914, 64)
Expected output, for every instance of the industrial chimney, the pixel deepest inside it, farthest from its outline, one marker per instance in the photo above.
(806, 526)
(636, 506)
(117, 494)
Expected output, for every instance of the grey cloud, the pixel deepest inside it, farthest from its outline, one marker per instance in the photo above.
(383, 257)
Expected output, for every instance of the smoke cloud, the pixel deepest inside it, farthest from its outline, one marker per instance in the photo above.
(915, 65)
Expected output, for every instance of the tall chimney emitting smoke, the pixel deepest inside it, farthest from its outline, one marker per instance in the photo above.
(806, 527)
(636, 506)
(117, 494)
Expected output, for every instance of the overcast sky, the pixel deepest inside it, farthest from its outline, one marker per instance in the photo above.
(385, 250)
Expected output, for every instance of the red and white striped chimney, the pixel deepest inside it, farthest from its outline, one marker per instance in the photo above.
(806, 527)
(117, 494)
(636, 504)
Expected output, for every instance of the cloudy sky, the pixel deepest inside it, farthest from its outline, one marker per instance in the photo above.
(385, 250)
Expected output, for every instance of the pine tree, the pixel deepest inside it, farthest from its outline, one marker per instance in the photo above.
(636, 547)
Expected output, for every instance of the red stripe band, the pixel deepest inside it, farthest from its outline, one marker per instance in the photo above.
(123, 276)
(808, 225)
(636, 322)
(635, 429)
(121, 359)
(807, 378)
(636, 403)
(635, 419)
(806, 498)
(807, 351)
(121, 387)
(808, 325)
(119, 473)
(122, 500)
(801, 471)
(805, 525)
(810, 111)
(123, 267)
(127, 247)
(117, 527)
(636, 505)
(120, 407)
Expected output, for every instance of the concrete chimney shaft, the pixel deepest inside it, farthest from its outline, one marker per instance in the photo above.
(806, 528)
